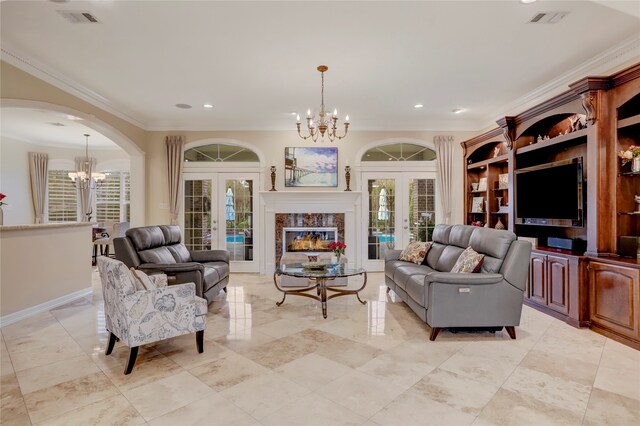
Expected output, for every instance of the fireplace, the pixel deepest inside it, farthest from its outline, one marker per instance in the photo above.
(308, 240)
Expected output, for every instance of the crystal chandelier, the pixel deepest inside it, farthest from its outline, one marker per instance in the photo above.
(85, 177)
(325, 122)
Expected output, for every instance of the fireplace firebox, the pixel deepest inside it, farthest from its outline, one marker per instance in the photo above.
(308, 240)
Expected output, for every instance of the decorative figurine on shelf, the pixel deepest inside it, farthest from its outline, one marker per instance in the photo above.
(347, 177)
(273, 178)
(499, 200)
(637, 200)
(496, 151)
(499, 225)
(477, 223)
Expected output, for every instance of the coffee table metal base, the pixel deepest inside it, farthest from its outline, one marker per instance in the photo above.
(321, 288)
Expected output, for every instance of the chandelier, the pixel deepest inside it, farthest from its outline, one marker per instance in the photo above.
(325, 122)
(84, 177)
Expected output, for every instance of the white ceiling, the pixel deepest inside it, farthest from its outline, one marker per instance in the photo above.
(256, 61)
(42, 127)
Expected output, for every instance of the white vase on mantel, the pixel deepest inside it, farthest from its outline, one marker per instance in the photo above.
(635, 165)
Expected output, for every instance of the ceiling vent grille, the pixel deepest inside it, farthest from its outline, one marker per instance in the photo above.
(77, 17)
(548, 17)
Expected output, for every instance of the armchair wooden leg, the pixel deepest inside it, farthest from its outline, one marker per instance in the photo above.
(434, 333)
(511, 330)
(132, 360)
(111, 344)
(200, 341)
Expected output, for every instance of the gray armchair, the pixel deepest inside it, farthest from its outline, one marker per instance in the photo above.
(489, 299)
(158, 249)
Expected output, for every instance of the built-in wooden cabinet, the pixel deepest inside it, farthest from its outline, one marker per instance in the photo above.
(615, 299)
(588, 124)
(557, 287)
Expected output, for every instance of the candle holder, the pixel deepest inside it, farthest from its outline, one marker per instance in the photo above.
(273, 178)
(347, 177)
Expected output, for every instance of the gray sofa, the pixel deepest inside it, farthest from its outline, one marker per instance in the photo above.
(491, 298)
(158, 249)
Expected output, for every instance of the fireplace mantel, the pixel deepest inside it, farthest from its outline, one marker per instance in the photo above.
(347, 202)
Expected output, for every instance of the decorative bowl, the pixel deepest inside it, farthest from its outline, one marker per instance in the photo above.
(314, 266)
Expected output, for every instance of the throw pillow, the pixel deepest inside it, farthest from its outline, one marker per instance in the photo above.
(469, 261)
(142, 280)
(415, 252)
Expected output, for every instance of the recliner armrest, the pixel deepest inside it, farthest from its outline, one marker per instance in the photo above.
(210, 256)
(171, 267)
(462, 278)
(392, 255)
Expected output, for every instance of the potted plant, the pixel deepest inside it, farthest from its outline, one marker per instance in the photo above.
(631, 155)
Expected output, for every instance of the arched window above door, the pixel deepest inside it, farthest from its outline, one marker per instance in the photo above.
(399, 152)
(218, 152)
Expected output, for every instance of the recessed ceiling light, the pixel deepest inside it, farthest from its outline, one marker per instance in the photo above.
(183, 106)
(207, 106)
(527, 1)
(293, 113)
(418, 106)
(457, 110)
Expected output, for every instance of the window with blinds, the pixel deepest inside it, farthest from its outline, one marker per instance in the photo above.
(62, 197)
(112, 198)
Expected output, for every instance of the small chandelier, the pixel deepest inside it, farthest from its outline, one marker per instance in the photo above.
(85, 177)
(325, 123)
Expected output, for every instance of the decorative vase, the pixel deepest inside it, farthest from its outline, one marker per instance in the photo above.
(499, 225)
(635, 165)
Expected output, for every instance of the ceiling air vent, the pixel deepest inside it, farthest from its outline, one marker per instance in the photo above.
(77, 17)
(548, 17)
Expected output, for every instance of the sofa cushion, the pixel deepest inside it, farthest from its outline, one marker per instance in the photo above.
(460, 235)
(441, 234)
(391, 266)
(434, 254)
(415, 252)
(404, 272)
(145, 238)
(172, 234)
(469, 261)
(494, 244)
(415, 289)
(214, 272)
(180, 253)
(142, 280)
(448, 258)
(156, 255)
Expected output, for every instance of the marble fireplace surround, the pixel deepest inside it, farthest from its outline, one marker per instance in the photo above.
(278, 206)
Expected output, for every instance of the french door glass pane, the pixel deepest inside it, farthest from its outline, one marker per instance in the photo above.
(239, 218)
(422, 209)
(197, 214)
(381, 229)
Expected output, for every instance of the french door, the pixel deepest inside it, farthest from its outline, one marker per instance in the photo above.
(219, 212)
(400, 208)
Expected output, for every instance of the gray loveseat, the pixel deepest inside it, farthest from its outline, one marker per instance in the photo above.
(158, 249)
(490, 298)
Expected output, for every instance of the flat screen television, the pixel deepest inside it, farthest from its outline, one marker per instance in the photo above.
(550, 194)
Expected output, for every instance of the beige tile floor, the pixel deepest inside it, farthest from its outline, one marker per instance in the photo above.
(269, 365)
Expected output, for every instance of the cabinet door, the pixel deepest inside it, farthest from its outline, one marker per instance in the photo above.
(558, 284)
(614, 298)
(537, 279)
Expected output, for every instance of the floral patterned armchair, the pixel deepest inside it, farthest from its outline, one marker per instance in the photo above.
(137, 315)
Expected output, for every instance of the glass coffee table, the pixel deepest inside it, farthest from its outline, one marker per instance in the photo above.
(321, 279)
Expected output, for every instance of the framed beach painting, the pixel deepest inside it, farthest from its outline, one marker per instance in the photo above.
(310, 167)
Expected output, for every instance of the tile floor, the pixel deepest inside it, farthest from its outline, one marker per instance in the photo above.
(269, 365)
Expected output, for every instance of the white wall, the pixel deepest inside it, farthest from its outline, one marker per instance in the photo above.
(14, 173)
(272, 144)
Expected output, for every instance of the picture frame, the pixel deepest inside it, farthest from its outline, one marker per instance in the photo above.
(503, 181)
(482, 184)
(477, 205)
(310, 167)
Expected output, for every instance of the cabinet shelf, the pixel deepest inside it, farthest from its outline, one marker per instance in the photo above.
(629, 174)
(553, 141)
(633, 120)
(484, 163)
(499, 212)
(630, 213)
(500, 189)
(477, 192)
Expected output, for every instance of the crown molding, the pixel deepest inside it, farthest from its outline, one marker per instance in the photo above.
(11, 55)
(603, 63)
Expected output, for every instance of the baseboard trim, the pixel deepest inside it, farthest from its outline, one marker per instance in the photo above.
(43, 307)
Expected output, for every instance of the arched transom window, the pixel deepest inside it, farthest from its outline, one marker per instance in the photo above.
(221, 153)
(399, 152)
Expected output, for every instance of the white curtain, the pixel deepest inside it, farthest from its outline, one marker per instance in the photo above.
(444, 158)
(38, 165)
(85, 192)
(175, 145)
